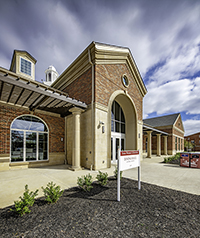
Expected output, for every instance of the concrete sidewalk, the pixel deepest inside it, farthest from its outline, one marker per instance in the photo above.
(172, 176)
(12, 182)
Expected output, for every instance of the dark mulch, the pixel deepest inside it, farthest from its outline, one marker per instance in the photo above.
(152, 212)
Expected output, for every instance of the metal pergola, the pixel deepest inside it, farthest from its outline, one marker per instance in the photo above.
(35, 95)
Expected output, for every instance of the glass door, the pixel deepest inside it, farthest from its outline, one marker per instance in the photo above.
(43, 149)
(117, 141)
(17, 146)
(31, 146)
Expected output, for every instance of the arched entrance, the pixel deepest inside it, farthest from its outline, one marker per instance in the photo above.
(122, 124)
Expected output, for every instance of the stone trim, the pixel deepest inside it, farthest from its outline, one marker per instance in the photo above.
(7, 160)
(101, 107)
(101, 54)
(13, 164)
(174, 135)
(176, 128)
(4, 155)
(140, 122)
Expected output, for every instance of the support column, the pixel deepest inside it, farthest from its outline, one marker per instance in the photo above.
(158, 145)
(165, 145)
(149, 144)
(76, 165)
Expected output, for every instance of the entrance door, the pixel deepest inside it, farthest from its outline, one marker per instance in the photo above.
(117, 141)
(31, 146)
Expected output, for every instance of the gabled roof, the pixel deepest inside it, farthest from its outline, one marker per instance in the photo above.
(99, 53)
(197, 133)
(167, 120)
(21, 52)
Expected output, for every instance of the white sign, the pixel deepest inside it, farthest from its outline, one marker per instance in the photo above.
(129, 159)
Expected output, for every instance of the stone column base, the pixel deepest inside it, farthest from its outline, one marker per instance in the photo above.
(74, 168)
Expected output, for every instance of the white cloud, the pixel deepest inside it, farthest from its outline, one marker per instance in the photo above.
(185, 62)
(58, 31)
(175, 96)
(63, 33)
(191, 126)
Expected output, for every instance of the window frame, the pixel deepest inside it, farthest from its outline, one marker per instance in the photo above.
(21, 64)
(176, 143)
(118, 121)
(24, 140)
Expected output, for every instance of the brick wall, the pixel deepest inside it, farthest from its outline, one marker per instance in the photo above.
(81, 88)
(108, 80)
(170, 141)
(56, 127)
(179, 124)
(196, 139)
(154, 143)
(178, 133)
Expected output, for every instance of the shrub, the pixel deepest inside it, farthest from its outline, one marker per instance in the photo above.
(172, 158)
(22, 206)
(102, 178)
(116, 173)
(85, 182)
(52, 192)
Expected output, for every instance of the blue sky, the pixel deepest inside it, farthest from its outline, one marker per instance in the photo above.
(163, 36)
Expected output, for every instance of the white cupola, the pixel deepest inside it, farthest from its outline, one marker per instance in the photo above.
(51, 75)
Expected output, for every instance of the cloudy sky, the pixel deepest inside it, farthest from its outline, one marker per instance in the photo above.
(163, 36)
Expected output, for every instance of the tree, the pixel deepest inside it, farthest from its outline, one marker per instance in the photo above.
(188, 145)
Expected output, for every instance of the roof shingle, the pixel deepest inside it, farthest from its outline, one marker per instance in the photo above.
(167, 120)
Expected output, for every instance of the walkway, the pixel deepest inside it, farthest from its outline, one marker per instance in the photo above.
(152, 171)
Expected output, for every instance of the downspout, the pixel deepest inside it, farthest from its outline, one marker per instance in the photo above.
(93, 113)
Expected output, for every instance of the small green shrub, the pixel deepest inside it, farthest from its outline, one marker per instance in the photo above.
(85, 182)
(172, 158)
(22, 206)
(116, 173)
(102, 178)
(52, 192)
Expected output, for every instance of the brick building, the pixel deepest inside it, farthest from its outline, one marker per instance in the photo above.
(93, 107)
(163, 135)
(195, 141)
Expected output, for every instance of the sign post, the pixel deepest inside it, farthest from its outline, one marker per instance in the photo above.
(127, 159)
(118, 176)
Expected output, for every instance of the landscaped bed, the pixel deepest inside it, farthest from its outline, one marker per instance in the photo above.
(151, 212)
(175, 159)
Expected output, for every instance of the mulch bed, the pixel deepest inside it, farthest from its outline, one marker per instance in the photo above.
(151, 212)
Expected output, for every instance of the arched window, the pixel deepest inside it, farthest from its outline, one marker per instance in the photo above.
(29, 139)
(118, 130)
(117, 119)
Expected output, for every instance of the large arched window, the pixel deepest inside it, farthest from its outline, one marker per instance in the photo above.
(117, 118)
(29, 139)
(118, 129)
